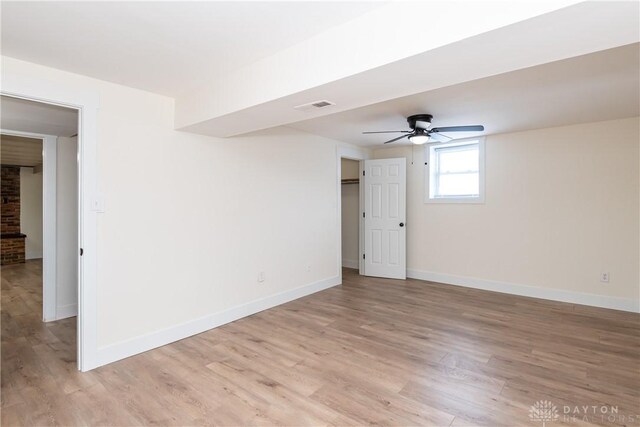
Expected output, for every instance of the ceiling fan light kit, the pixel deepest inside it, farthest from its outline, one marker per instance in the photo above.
(420, 137)
(421, 131)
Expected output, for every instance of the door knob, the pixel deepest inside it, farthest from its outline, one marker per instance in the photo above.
(402, 224)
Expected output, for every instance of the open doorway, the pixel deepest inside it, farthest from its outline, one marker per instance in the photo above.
(350, 225)
(39, 161)
(350, 215)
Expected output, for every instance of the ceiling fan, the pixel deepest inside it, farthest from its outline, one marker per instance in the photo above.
(421, 130)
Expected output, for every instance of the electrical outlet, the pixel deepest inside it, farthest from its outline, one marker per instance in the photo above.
(308, 268)
(261, 277)
(604, 277)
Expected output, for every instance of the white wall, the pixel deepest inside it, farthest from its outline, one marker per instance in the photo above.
(562, 206)
(31, 211)
(67, 227)
(350, 214)
(191, 220)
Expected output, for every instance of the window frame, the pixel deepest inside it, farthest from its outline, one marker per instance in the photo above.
(429, 175)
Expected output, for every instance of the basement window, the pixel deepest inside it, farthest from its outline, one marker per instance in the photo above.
(455, 172)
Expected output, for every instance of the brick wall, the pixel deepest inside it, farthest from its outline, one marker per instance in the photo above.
(12, 246)
(10, 193)
(12, 250)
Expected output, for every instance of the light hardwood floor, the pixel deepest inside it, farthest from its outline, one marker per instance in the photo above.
(371, 351)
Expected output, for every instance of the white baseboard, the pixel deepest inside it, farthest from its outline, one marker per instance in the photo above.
(616, 303)
(33, 255)
(64, 311)
(350, 263)
(150, 341)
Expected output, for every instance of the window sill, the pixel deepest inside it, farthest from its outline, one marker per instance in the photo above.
(456, 200)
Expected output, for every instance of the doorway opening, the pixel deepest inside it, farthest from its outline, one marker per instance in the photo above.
(40, 238)
(350, 215)
(356, 158)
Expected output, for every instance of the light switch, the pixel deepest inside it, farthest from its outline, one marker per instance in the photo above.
(97, 204)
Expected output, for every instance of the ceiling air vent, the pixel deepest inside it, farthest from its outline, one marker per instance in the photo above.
(314, 105)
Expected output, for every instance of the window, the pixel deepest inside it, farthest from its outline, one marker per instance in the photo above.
(455, 172)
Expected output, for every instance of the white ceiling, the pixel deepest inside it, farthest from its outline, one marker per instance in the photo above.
(367, 61)
(175, 47)
(164, 47)
(599, 86)
(36, 117)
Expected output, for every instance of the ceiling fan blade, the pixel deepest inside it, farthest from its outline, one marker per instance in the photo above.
(439, 137)
(473, 128)
(395, 139)
(389, 131)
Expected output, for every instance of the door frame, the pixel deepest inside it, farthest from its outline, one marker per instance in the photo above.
(359, 155)
(30, 88)
(49, 225)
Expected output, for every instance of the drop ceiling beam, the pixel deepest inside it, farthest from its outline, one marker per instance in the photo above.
(392, 52)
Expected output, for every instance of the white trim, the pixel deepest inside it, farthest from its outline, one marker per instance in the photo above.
(351, 154)
(64, 311)
(616, 303)
(49, 229)
(361, 208)
(481, 172)
(41, 90)
(350, 263)
(49, 225)
(174, 333)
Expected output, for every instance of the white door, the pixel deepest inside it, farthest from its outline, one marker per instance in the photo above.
(385, 189)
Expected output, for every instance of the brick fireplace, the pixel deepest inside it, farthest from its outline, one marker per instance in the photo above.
(12, 249)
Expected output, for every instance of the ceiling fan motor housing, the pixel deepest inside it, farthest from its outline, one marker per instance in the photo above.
(418, 118)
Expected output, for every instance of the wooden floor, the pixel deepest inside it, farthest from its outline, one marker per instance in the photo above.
(371, 351)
